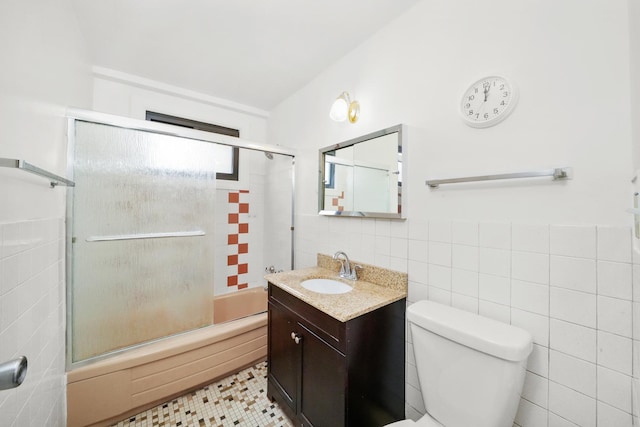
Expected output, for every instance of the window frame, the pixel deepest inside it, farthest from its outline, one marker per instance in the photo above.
(154, 116)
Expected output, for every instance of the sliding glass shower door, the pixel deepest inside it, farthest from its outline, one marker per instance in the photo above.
(141, 237)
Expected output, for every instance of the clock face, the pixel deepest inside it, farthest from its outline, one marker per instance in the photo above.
(488, 101)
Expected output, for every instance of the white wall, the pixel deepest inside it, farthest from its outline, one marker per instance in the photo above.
(44, 70)
(127, 97)
(571, 63)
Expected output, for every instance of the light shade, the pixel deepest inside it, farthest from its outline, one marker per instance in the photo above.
(343, 108)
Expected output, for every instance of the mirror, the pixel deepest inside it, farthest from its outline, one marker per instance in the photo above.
(363, 176)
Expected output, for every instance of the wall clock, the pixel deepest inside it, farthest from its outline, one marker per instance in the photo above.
(488, 101)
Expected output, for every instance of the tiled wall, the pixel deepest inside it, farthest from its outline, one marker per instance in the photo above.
(570, 286)
(32, 319)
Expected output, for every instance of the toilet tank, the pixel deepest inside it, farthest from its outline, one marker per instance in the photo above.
(471, 368)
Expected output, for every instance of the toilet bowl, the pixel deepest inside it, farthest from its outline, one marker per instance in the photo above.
(470, 368)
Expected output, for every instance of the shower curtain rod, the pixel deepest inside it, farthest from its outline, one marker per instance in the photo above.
(28, 167)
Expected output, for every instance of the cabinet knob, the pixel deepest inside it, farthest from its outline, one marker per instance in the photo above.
(296, 337)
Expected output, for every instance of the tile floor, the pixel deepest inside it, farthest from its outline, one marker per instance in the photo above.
(238, 400)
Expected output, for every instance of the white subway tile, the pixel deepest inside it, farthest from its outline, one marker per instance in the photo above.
(383, 227)
(615, 279)
(614, 244)
(557, 421)
(573, 273)
(498, 312)
(418, 229)
(439, 295)
(610, 416)
(412, 376)
(615, 352)
(636, 282)
(535, 324)
(398, 229)
(417, 291)
(571, 405)
(575, 340)
(440, 276)
(614, 315)
(573, 240)
(440, 231)
(418, 250)
(614, 389)
(530, 415)
(465, 257)
(530, 238)
(418, 271)
(465, 282)
(530, 267)
(399, 247)
(636, 321)
(398, 264)
(530, 296)
(464, 302)
(495, 261)
(494, 288)
(573, 306)
(440, 253)
(536, 389)
(572, 372)
(495, 235)
(414, 398)
(368, 226)
(538, 361)
(465, 233)
(383, 246)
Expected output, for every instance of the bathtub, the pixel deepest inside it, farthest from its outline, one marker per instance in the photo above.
(110, 390)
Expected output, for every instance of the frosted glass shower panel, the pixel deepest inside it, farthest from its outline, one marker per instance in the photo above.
(142, 237)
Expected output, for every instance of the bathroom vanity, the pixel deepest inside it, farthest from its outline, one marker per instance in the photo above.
(336, 360)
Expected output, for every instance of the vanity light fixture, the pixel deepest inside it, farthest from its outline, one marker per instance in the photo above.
(343, 108)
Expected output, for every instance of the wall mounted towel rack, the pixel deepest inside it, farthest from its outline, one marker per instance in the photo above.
(556, 173)
(145, 236)
(28, 167)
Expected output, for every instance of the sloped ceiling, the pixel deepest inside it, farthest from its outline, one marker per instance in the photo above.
(253, 52)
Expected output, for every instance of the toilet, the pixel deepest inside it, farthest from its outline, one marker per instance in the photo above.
(471, 368)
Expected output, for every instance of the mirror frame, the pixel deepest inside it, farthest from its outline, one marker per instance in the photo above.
(401, 131)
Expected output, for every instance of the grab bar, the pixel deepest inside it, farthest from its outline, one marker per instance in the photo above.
(145, 236)
(556, 173)
(28, 167)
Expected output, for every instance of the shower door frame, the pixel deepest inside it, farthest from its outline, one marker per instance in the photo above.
(78, 115)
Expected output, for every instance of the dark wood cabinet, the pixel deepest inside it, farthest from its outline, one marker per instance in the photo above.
(327, 373)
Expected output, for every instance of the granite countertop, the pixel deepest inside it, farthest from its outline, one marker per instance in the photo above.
(378, 287)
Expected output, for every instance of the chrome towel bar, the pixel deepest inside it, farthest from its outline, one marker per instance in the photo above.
(28, 167)
(556, 173)
(145, 236)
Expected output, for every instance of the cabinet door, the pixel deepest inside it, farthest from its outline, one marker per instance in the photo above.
(284, 354)
(323, 385)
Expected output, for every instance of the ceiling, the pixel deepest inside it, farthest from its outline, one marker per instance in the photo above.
(253, 52)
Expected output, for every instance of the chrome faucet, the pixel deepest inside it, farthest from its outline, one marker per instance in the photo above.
(346, 272)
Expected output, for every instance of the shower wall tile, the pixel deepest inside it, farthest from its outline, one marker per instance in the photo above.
(32, 319)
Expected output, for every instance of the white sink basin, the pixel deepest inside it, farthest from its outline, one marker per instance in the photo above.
(326, 286)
